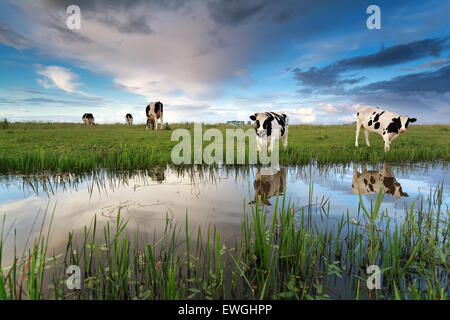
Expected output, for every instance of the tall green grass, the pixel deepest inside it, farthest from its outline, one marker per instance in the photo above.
(35, 147)
(279, 255)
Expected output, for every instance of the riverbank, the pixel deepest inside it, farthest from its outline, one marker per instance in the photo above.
(64, 147)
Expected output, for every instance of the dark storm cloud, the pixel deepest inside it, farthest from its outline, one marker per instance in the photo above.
(105, 11)
(28, 90)
(397, 54)
(237, 12)
(435, 81)
(12, 38)
(234, 12)
(333, 74)
(89, 101)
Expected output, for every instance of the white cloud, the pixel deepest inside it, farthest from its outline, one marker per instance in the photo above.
(187, 55)
(328, 108)
(305, 115)
(349, 118)
(59, 77)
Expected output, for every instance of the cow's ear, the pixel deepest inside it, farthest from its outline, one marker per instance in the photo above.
(412, 119)
(253, 117)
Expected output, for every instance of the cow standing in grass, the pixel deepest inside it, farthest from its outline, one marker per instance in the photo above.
(270, 127)
(88, 118)
(387, 124)
(129, 119)
(154, 111)
(369, 182)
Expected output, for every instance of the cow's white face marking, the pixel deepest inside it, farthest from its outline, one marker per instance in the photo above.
(260, 124)
(404, 122)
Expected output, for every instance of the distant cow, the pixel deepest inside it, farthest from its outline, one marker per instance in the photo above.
(369, 182)
(88, 118)
(129, 119)
(270, 126)
(385, 123)
(268, 184)
(154, 111)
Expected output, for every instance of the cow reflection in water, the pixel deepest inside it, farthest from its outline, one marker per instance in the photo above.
(268, 183)
(369, 182)
(157, 174)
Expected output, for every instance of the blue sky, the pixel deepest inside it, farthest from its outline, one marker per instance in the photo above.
(217, 60)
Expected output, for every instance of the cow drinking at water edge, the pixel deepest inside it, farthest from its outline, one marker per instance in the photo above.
(270, 127)
(387, 124)
(154, 111)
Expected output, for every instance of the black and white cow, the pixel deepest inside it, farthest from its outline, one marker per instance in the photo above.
(88, 118)
(270, 127)
(268, 183)
(369, 182)
(154, 111)
(129, 119)
(387, 124)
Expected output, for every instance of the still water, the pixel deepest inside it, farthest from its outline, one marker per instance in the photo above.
(211, 197)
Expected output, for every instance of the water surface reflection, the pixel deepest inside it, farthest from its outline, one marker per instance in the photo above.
(210, 196)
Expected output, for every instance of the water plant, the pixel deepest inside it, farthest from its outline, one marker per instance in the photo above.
(279, 255)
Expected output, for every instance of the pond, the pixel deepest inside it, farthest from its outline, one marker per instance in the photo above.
(211, 197)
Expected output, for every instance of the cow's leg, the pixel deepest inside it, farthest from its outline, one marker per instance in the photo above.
(355, 179)
(387, 143)
(285, 139)
(258, 144)
(358, 128)
(161, 118)
(273, 141)
(366, 135)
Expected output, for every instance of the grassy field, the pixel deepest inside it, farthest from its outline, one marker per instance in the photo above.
(31, 147)
(277, 256)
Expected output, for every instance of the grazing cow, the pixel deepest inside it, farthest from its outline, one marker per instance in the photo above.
(271, 126)
(385, 123)
(369, 182)
(154, 111)
(268, 184)
(88, 118)
(129, 119)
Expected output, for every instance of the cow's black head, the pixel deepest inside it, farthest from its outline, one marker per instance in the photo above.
(400, 124)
